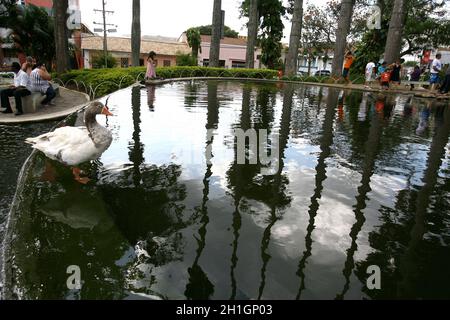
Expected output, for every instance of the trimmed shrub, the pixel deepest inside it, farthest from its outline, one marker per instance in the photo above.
(186, 60)
(105, 81)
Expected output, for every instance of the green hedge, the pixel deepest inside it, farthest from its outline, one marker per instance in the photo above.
(108, 80)
(354, 78)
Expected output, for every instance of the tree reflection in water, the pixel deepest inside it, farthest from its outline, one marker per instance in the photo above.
(154, 224)
(199, 286)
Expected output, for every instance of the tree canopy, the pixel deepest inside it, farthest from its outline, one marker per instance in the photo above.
(32, 30)
(271, 28)
(207, 30)
(427, 26)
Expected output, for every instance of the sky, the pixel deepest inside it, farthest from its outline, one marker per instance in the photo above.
(168, 17)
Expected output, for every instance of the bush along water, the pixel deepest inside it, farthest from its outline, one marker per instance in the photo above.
(99, 82)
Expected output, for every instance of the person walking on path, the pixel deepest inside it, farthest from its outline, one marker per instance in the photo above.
(415, 75)
(347, 64)
(151, 73)
(18, 90)
(396, 69)
(40, 83)
(370, 73)
(436, 67)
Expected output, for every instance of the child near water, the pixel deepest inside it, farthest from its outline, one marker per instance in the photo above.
(386, 78)
(151, 74)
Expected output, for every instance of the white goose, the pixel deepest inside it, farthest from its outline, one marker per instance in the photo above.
(75, 145)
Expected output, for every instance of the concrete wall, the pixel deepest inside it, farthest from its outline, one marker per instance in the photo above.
(228, 53)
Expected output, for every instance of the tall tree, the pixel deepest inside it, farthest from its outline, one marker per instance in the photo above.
(61, 36)
(343, 29)
(318, 32)
(136, 34)
(270, 13)
(194, 40)
(214, 51)
(394, 37)
(294, 39)
(253, 22)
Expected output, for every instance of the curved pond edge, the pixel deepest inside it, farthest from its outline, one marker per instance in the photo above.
(359, 87)
(30, 118)
(7, 288)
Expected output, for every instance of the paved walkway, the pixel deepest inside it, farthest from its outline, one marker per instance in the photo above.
(67, 103)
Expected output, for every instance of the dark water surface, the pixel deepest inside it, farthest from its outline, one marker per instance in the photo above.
(13, 153)
(361, 180)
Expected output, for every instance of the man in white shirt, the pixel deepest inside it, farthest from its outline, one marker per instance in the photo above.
(18, 90)
(370, 73)
(436, 67)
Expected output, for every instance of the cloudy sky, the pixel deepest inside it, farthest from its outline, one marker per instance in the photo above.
(168, 17)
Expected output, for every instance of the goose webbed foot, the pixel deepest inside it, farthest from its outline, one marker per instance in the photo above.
(76, 173)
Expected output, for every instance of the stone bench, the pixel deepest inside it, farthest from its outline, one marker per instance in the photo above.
(32, 102)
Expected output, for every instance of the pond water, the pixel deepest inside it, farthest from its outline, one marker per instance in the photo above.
(13, 153)
(361, 180)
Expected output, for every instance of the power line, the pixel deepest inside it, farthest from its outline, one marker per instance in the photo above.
(104, 30)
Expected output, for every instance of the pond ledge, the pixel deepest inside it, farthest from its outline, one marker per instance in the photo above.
(423, 93)
(69, 102)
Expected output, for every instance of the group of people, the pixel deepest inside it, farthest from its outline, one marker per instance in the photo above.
(31, 77)
(387, 74)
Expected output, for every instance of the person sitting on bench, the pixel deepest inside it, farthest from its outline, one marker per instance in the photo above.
(18, 90)
(40, 83)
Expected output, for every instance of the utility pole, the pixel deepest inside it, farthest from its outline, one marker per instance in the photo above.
(105, 41)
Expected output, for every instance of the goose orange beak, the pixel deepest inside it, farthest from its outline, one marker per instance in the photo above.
(106, 112)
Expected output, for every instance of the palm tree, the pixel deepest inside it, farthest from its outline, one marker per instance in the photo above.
(252, 26)
(194, 40)
(61, 36)
(394, 37)
(136, 34)
(294, 40)
(214, 51)
(341, 36)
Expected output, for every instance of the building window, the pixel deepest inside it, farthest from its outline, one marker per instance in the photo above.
(166, 63)
(205, 62)
(124, 62)
(141, 62)
(238, 64)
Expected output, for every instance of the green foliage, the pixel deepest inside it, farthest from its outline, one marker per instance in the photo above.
(108, 80)
(410, 64)
(194, 41)
(32, 31)
(271, 28)
(98, 61)
(426, 26)
(207, 30)
(186, 60)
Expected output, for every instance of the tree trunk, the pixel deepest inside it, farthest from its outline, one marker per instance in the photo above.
(136, 34)
(309, 65)
(341, 36)
(61, 36)
(214, 51)
(394, 37)
(252, 33)
(294, 39)
(2, 56)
